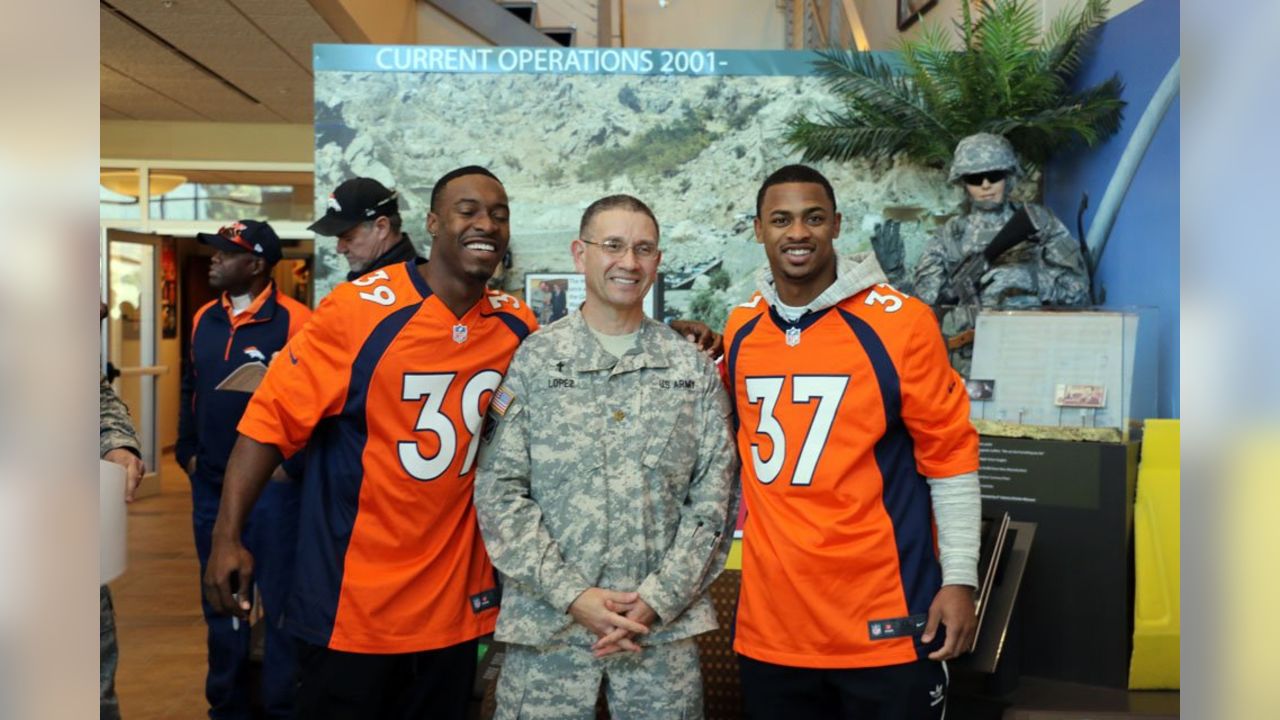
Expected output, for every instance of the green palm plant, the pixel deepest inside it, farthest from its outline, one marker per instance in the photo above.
(1005, 79)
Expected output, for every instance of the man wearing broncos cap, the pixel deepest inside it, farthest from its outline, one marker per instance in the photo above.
(249, 323)
(365, 218)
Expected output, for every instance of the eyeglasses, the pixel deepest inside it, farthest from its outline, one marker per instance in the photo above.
(617, 248)
(992, 176)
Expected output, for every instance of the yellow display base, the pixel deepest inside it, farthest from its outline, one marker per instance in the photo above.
(734, 561)
(1157, 614)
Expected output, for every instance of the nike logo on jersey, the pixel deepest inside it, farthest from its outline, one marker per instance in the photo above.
(293, 358)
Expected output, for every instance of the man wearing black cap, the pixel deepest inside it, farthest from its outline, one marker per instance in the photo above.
(233, 335)
(365, 218)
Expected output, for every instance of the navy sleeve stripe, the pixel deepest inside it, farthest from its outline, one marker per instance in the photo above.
(732, 366)
(515, 324)
(331, 491)
(906, 494)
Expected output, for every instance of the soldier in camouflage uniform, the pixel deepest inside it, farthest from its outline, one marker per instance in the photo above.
(118, 444)
(1048, 269)
(606, 493)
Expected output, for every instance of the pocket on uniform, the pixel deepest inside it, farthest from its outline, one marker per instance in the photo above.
(672, 448)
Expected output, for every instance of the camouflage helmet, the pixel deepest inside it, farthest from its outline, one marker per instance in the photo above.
(983, 152)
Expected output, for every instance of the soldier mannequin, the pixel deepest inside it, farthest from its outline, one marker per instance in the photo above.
(1047, 269)
(605, 494)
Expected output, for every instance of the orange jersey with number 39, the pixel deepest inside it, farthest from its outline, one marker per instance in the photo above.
(841, 417)
(387, 390)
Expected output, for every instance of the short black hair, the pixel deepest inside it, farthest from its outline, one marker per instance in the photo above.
(615, 202)
(795, 174)
(455, 174)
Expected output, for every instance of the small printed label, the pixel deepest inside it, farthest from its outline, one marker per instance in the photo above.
(1080, 396)
(897, 627)
(485, 600)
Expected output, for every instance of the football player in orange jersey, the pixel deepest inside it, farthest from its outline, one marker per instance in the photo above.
(385, 387)
(855, 441)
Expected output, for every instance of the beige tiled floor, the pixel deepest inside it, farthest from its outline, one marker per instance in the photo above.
(161, 631)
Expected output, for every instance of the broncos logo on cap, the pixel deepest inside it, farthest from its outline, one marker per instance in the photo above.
(333, 203)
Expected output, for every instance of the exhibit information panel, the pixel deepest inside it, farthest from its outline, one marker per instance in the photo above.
(1074, 606)
(1068, 369)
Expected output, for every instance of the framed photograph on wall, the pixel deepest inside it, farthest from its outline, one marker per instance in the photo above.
(168, 289)
(551, 296)
(910, 10)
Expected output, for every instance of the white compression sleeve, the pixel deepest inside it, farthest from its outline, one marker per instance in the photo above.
(957, 510)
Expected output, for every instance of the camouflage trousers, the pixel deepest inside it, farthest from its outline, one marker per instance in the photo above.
(562, 682)
(108, 658)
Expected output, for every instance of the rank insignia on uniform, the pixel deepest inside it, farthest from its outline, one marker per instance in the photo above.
(502, 399)
(459, 333)
(793, 336)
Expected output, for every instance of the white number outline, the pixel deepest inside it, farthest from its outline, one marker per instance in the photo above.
(431, 389)
(891, 303)
(496, 301)
(822, 387)
(765, 391)
(383, 294)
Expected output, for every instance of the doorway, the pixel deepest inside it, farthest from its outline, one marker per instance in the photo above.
(131, 335)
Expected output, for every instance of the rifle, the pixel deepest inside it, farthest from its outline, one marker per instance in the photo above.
(963, 283)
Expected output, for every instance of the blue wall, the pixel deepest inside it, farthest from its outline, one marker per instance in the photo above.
(1140, 265)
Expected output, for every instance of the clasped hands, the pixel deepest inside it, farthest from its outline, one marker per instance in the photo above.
(615, 617)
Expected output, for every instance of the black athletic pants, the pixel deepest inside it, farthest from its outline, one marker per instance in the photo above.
(336, 685)
(914, 691)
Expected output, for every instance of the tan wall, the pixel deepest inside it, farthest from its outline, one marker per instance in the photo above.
(233, 142)
(381, 22)
(737, 24)
(580, 14)
(880, 17)
(436, 27)
(168, 391)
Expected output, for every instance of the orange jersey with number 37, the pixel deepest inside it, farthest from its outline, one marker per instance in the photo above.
(387, 390)
(841, 417)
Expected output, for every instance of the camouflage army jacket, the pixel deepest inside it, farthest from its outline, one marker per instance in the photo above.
(115, 429)
(599, 471)
(1048, 271)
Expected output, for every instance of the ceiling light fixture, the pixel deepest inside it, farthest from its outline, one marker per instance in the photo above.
(127, 182)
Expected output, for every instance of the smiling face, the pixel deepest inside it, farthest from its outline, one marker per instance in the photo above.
(798, 227)
(621, 281)
(471, 227)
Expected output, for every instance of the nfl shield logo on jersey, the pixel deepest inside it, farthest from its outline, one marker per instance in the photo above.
(459, 333)
(793, 337)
